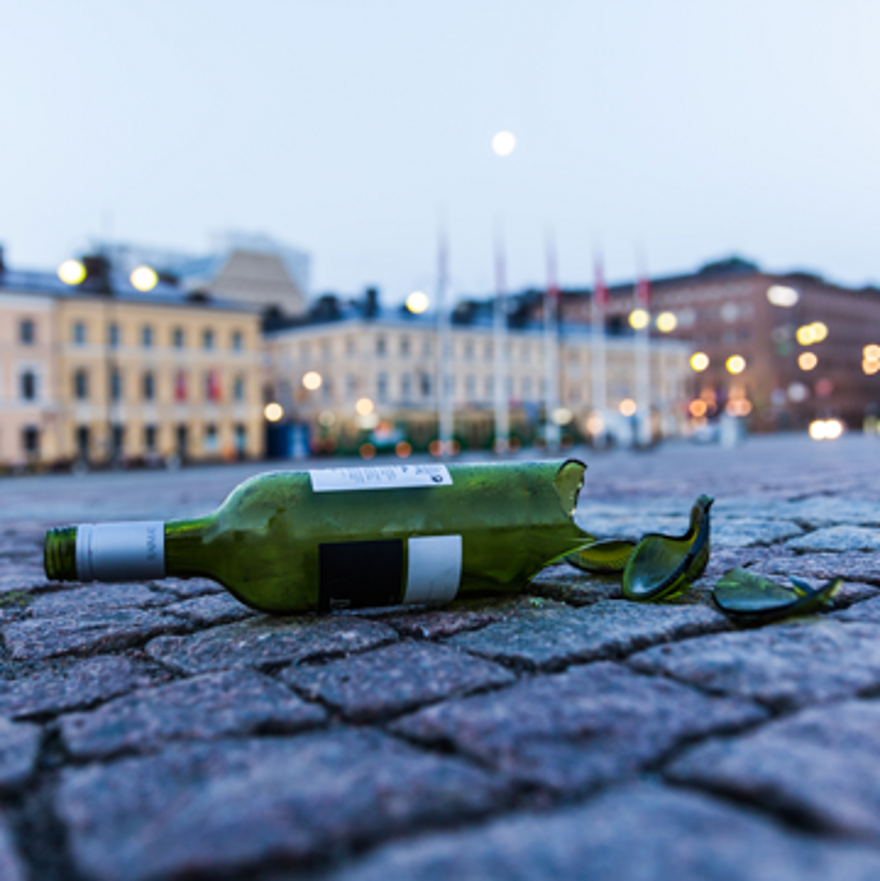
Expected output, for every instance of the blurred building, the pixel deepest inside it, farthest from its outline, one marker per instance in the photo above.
(101, 371)
(801, 341)
(356, 373)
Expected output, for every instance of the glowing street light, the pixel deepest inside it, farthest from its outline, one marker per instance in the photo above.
(699, 362)
(639, 319)
(273, 412)
(808, 334)
(144, 278)
(807, 360)
(666, 322)
(72, 272)
(417, 302)
(504, 143)
(735, 364)
(364, 407)
(782, 296)
(312, 381)
(627, 407)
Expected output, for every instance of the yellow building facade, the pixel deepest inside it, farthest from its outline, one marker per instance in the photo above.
(393, 364)
(126, 378)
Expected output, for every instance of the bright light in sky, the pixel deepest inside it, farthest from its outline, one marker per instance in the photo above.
(417, 302)
(504, 143)
(71, 272)
(144, 278)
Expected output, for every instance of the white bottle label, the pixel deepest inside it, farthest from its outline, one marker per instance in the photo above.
(381, 477)
(120, 551)
(434, 569)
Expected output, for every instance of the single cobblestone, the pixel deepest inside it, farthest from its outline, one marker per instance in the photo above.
(212, 609)
(838, 539)
(19, 744)
(551, 636)
(76, 687)
(92, 630)
(785, 666)
(867, 612)
(201, 809)
(825, 510)
(207, 707)
(436, 623)
(859, 567)
(394, 679)
(638, 833)
(267, 641)
(579, 729)
(752, 532)
(186, 588)
(565, 584)
(96, 599)
(822, 765)
(11, 866)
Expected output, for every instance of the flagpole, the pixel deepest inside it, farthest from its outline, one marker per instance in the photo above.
(643, 361)
(444, 392)
(501, 397)
(551, 349)
(597, 346)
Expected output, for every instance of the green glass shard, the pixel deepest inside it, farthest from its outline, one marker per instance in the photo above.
(602, 557)
(664, 566)
(750, 598)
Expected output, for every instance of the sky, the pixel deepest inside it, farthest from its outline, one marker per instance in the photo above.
(664, 134)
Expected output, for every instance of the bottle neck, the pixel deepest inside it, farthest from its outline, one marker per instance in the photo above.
(132, 551)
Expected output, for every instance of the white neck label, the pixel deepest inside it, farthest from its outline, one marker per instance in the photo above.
(382, 477)
(133, 551)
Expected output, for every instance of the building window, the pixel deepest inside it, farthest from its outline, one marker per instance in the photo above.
(83, 442)
(115, 384)
(147, 336)
(380, 345)
(81, 385)
(113, 335)
(382, 386)
(30, 440)
(527, 387)
(487, 352)
(469, 351)
(29, 385)
(406, 386)
(238, 388)
(148, 386)
(426, 385)
(208, 339)
(241, 440)
(180, 386)
(237, 341)
(426, 347)
(490, 386)
(177, 339)
(118, 440)
(26, 332)
(150, 438)
(212, 386)
(404, 346)
(79, 333)
(211, 438)
(182, 438)
(471, 387)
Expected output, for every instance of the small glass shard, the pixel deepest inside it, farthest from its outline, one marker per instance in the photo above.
(750, 598)
(602, 557)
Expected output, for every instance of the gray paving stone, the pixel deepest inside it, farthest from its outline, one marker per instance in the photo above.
(867, 612)
(825, 510)
(96, 599)
(92, 630)
(207, 707)
(185, 588)
(786, 666)
(838, 539)
(565, 584)
(860, 568)
(212, 609)
(552, 636)
(639, 833)
(822, 764)
(268, 641)
(436, 623)
(579, 729)
(79, 686)
(752, 532)
(11, 866)
(19, 744)
(394, 679)
(199, 809)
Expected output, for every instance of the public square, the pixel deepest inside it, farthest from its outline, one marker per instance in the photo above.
(162, 730)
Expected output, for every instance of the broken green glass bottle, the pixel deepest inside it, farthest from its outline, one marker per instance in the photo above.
(294, 541)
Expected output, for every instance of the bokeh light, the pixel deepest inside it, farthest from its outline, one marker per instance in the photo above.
(72, 272)
(699, 361)
(144, 278)
(735, 364)
(504, 143)
(639, 319)
(627, 407)
(807, 360)
(782, 296)
(364, 406)
(417, 302)
(666, 322)
(273, 412)
(312, 381)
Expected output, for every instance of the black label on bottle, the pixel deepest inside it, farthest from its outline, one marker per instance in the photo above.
(357, 574)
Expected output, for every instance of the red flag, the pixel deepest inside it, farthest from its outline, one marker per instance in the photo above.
(600, 289)
(643, 291)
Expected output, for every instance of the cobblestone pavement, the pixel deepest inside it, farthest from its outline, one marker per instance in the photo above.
(161, 730)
